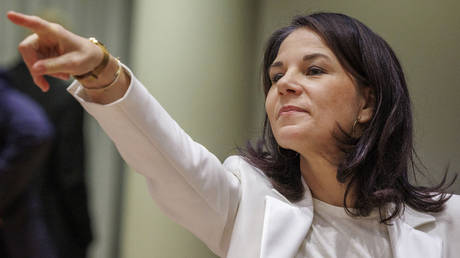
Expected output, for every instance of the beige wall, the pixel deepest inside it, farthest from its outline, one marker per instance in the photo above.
(192, 56)
(425, 35)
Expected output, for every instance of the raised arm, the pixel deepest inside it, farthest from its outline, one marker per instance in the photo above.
(187, 181)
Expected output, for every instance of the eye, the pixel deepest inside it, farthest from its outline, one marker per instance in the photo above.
(314, 70)
(276, 77)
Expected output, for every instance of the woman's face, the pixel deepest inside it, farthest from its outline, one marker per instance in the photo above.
(310, 94)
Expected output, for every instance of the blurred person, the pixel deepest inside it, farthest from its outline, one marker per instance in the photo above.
(64, 192)
(25, 140)
(61, 190)
(329, 178)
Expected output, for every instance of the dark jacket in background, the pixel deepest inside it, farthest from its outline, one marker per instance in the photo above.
(25, 141)
(64, 192)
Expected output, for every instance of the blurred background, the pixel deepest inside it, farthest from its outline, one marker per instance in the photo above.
(201, 60)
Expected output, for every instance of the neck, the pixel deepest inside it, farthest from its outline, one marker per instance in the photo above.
(320, 174)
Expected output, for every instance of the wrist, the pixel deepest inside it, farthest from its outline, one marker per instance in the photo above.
(109, 94)
(105, 77)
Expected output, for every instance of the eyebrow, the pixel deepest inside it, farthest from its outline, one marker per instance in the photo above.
(308, 57)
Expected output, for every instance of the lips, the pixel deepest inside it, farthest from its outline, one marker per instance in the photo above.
(291, 109)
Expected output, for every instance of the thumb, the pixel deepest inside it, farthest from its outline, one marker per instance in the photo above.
(68, 63)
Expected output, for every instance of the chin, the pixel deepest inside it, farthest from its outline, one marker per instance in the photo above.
(290, 137)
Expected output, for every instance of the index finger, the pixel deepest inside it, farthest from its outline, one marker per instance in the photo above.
(31, 22)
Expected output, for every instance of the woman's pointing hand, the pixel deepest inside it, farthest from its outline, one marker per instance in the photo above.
(53, 50)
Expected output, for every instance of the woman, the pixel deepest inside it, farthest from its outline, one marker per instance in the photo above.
(330, 176)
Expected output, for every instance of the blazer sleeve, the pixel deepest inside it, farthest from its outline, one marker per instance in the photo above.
(187, 182)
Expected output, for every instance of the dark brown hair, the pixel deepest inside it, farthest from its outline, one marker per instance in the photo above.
(379, 161)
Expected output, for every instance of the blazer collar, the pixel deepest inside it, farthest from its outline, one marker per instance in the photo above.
(407, 241)
(286, 226)
(415, 218)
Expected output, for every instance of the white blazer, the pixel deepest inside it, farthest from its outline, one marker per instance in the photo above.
(232, 207)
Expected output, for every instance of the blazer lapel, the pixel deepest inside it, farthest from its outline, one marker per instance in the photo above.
(285, 227)
(407, 241)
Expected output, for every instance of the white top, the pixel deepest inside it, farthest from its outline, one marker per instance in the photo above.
(334, 233)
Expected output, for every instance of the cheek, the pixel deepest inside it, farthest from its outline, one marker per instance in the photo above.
(270, 103)
(270, 109)
(338, 105)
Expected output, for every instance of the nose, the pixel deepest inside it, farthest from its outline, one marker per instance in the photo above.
(287, 85)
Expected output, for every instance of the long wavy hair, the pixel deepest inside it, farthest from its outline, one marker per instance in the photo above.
(379, 161)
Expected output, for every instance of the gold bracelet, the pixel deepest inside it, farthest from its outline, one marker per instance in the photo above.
(113, 82)
(98, 70)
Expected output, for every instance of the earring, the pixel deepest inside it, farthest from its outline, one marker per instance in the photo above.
(353, 128)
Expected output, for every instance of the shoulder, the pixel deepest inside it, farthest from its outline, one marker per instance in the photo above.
(446, 221)
(243, 170)
(451, 212)
(447, 225)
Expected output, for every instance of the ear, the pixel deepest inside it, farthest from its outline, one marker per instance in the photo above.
(367, 104)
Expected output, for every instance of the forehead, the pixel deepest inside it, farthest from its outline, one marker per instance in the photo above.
(303, 41)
